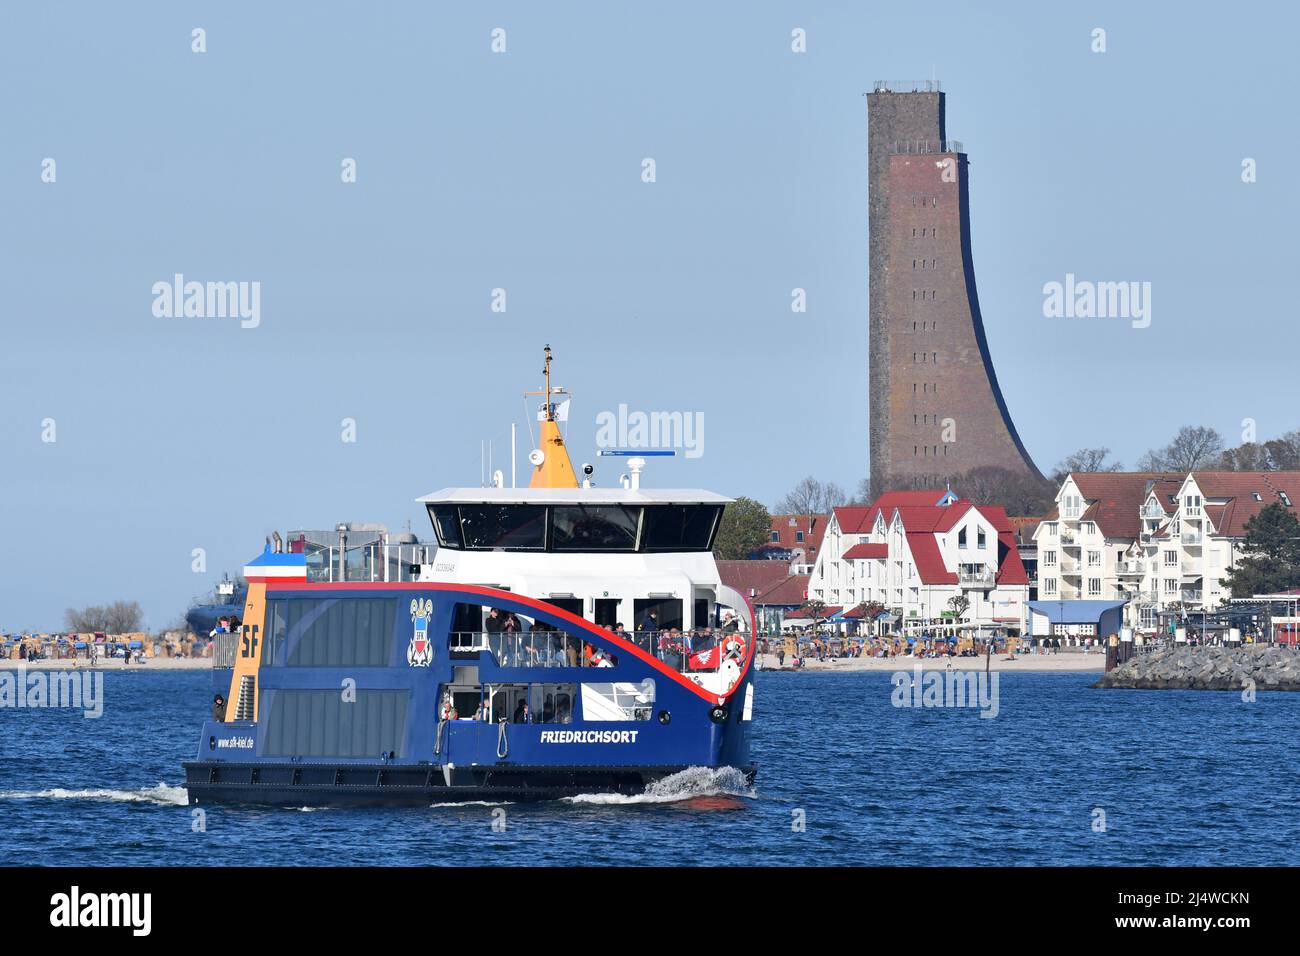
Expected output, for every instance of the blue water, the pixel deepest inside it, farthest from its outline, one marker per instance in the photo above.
(1182, 778)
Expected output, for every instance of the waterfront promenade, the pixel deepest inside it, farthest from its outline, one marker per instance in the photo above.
(1045, 663)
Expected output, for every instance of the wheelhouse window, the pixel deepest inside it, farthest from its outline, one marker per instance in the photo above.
(446, 523)
(679, 527)
(594, 527)
(517, 527)
(575, 527)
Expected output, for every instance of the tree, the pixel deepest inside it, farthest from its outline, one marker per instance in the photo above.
(1086, 460)
(1248, 457)
(1284, 452)
(811, 497)
(959, 604)
(1195, 446)
(814, 609)
(120, 617)
(1018, 492)
(1270, 562)
(745, 527)
(862, 494)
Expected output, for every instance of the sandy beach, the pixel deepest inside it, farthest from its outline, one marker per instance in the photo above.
(1047, 663)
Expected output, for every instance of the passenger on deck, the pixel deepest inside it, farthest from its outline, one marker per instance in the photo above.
(521, 713)
(494, 622)
(484, 712)
(548, 709)
(218, 708)
(650, 622)
(562, 712)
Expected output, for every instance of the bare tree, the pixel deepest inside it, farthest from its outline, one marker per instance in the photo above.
(1248, 457)
(1284, 452)
(1195, 446)
(862, 494)
(120, 617)
(1019, 493)
(1085, 460)
(811, 498)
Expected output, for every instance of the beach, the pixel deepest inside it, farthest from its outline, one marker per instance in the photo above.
(1044, 663)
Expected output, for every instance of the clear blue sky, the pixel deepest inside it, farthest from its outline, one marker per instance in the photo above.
(522, 171)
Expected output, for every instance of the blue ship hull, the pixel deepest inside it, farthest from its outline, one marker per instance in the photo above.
(303, 747)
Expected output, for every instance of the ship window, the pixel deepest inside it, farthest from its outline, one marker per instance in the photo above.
(520, 527)
(319, 723)
(329, 632)
(594, 527)
(620, 701)
(446, 523)
(679, 527)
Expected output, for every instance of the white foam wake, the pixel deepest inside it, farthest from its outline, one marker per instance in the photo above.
(684, 785)
(162, 795)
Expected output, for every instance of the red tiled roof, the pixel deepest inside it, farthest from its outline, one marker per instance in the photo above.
(791, 592)
(812, 537)
(1240, 488)
(856, 519)
(928, 559)
(866, 551)
(826, 612)
(1011, 570)
(761, 576)
(1115, 498)
(857, 612)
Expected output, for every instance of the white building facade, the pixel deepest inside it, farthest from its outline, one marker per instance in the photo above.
(1163, 542)
(913, 552)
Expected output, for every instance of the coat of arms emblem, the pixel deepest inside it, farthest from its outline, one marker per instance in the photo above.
(419, 653)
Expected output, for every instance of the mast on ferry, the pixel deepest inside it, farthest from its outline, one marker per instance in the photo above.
(550, 459)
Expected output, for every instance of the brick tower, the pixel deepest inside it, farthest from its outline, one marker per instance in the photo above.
(936, 409)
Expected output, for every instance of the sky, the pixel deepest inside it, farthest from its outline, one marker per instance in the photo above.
(129, 439)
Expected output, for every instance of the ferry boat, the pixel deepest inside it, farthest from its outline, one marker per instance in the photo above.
(561, 639)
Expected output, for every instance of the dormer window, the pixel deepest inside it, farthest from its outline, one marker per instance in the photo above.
(961, 538)
(981, 541)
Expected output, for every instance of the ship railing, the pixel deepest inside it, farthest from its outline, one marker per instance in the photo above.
(224, 649)
(701, 653)
(375, 561)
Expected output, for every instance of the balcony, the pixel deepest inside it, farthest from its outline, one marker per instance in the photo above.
(1191, 539)
(1130, 569)
(976, 578)
(1190, 596)
(1069, 567)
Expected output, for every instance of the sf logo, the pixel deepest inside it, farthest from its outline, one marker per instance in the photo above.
(248, 643)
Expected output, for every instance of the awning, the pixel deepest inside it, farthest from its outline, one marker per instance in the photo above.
(80, 645)
(136, 644)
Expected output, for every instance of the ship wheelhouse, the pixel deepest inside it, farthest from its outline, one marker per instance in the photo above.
(624, 556)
